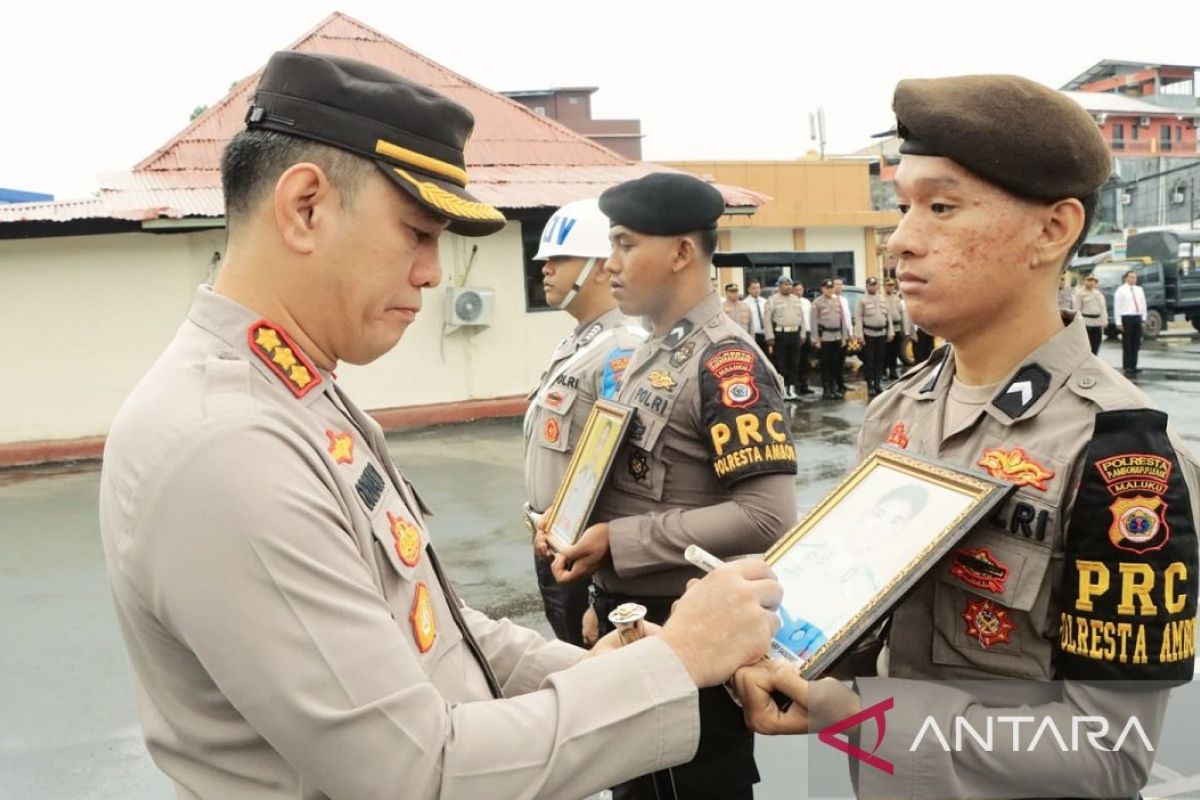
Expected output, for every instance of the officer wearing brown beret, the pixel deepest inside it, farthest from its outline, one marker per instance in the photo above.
(1087, 575)
(291, 630)
(709, 458)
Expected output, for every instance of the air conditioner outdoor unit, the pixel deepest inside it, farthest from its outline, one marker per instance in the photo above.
(1126, 198)
(1177, 196)
(1144, 122)
(470, 306)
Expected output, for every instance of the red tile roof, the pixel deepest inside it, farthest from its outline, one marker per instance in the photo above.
(516, 158)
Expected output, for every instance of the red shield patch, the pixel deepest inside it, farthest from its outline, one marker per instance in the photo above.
(987, 622)
(424, 623)
(739, 391)
(407, 538)
(1139, 524)
(898, 437)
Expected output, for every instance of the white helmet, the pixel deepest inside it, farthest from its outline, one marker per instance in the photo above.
(578, 229)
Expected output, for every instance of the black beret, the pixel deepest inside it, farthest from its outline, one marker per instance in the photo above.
(415, 135)
(663, 204)
(1020, 135)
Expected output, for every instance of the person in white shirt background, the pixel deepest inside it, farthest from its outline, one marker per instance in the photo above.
(848, 330)
(1129, 312)
(805, 340)
(758, 305)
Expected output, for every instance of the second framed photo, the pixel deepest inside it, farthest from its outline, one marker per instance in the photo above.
(586, 473)
(865, 544)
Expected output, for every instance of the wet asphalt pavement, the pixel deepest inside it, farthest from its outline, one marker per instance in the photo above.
(68, 728)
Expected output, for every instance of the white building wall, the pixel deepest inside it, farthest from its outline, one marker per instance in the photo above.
(760, 240)
(839, 239)
(83, 318)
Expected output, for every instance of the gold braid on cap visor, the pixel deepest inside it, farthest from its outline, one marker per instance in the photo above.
(447, 202)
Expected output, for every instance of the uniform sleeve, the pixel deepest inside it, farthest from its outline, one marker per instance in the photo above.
(1128, 596)
(742, 419)
(520, 658)
(255, 573)
(933, 754)
(758, 512)
(1103, 312)
(744, 428)
(858, 323)
(768, 325)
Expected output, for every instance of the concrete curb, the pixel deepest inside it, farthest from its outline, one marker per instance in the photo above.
(91, 448)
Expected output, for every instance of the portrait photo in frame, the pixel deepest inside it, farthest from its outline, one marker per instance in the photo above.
(849, 559)
(594, 454)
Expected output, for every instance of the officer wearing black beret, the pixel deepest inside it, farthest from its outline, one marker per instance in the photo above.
(291, 630)
(664, 204)
(997, 183)
(709, 458)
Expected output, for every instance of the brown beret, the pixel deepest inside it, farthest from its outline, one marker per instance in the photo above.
(1010, 131)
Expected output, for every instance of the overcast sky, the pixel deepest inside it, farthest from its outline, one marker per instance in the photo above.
(95, 87)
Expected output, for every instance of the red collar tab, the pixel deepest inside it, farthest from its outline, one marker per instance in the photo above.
(280, 353)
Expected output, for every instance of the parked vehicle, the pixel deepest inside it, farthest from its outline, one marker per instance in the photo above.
(1171, 282)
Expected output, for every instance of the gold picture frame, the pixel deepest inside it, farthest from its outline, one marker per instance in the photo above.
(587, 472)
(853, 555)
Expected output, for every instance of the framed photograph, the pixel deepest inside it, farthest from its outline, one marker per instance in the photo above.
(593, 458)
(851, 557)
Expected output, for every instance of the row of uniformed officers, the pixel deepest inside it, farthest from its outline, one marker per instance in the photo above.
(788, 327)
(293, 633)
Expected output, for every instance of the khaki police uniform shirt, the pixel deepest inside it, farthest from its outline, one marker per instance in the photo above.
(871, 316)
(708, 459)
(1091, 306)
(1086, 573)
(785, 314)
(828, 324)
(585, 366)
(739, 311)
(1066, 300)
(897, 313)
(289, 632)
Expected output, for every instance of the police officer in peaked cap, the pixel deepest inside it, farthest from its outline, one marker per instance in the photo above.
(291, 629)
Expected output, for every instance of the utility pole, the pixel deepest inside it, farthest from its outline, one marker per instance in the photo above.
(816, 129)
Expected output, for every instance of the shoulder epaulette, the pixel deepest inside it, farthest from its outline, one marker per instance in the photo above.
(286, 360)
